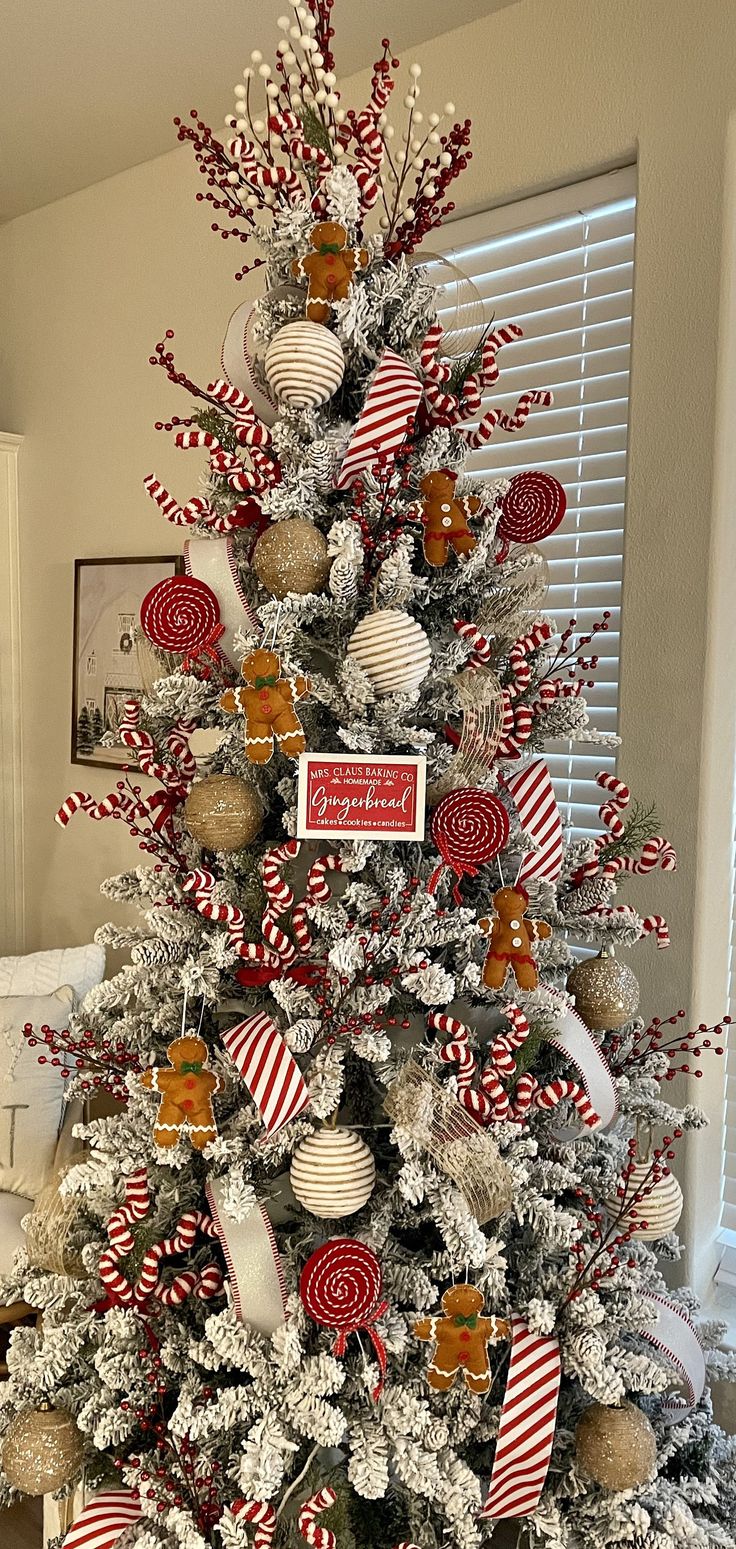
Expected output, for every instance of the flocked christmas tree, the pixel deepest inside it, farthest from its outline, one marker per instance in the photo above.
(373, 1245)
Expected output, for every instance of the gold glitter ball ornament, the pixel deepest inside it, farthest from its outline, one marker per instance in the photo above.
(333, 1173)
(657, 1212)
(42, 1450)
(615, 1446)
(606, 992)
(223, 812)
(291, 556)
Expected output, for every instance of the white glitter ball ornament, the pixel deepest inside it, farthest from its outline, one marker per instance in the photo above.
(392, 649)
(660, 1209)
(304, 365)
(333, 1173)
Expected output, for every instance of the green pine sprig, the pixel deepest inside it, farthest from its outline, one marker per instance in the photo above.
(315, 133)
(641, 824)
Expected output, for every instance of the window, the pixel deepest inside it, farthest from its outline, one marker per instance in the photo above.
(561, 265)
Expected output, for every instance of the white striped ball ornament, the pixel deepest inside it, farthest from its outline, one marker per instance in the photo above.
(333, 1173)
(392, 649)
(661, 1209)
(304, 364)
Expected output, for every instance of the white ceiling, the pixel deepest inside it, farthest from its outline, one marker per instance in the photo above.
(89, 87)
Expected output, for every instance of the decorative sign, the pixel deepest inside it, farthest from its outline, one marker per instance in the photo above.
(358, 796)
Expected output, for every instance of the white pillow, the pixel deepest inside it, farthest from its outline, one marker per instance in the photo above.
(31, 1095)
(40, 973)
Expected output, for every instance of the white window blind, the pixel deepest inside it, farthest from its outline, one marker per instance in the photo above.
(561, 265)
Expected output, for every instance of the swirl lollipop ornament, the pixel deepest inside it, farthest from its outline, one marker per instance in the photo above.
(182, 614)
(340, 1288)
(532, 508)
(469, 828)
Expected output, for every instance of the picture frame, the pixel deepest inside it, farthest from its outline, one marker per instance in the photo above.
(105, 668)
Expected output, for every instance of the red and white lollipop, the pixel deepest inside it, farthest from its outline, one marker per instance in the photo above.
(469, 828)
(532, 508)
(340, 1287)
(181, 614)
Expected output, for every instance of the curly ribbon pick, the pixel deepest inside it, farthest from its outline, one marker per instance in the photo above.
(596, 1090)
(314, 1535)
(203, 1283)
(280, 952)
(655, 852)
(264, 1516)
(527, 1429)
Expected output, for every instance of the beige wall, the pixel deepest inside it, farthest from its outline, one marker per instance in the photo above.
(557, 89)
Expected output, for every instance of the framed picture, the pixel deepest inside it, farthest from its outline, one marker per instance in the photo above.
(107, 598)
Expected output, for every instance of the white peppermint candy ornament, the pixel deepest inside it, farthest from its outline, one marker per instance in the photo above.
(333, 1173)
(304, 365)
(392, 649)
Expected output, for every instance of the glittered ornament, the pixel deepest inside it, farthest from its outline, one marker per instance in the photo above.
(42, 1450)
(333, 1173)
(651, 1205)
(606, 992)
(291, 556)
(304, 365)
(223, 812)
(392, 650)
(615, 1446)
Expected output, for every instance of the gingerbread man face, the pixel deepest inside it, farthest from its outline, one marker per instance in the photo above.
(186, 1090)
(263, 665)
(462, 1301)
(445, 519)
(328, 237)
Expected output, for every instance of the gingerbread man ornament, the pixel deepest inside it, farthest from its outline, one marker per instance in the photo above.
(461, 1339)
(267, 701)
(329, 269)
(446, 519)
(186, 1090)
(512, 936)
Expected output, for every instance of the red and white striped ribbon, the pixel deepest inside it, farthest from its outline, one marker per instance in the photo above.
(385, 419)
(263, 1514)
(539, 815)
(527, 1430)
(255, 1272)
(268, 1069)
(314, 1535)
(101, 1522)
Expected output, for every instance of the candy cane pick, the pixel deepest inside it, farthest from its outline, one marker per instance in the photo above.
(317, 1537)
(264, 1516)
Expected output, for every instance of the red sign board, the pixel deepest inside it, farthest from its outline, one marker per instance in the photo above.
(359, 796)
